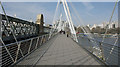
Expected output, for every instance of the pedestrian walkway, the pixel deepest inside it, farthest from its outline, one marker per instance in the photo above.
(60, 50)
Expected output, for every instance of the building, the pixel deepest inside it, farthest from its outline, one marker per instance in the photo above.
(94, 26)
(113, 24)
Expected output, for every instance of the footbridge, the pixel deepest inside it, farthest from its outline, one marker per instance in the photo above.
(50, 49)
(21, 44)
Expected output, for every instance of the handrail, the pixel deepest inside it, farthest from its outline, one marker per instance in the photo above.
(27, 46)
(24, 40)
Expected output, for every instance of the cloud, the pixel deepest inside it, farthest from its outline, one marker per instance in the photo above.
(88, 6)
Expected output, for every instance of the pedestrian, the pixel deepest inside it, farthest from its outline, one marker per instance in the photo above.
(67, 35)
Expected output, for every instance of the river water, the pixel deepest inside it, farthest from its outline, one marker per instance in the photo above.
(110, 55)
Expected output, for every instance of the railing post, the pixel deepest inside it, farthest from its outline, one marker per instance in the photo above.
(47, 37)
(44, 38)
(41, 40)
(37, 42)
(30, 46)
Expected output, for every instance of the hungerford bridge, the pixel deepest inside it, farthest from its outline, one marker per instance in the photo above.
(22, 44)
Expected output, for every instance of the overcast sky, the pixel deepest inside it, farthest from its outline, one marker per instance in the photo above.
(90, 12)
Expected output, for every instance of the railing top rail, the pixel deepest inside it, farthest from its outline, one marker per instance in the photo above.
(23, 40)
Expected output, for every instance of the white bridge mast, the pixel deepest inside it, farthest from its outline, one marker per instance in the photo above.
(69, 19)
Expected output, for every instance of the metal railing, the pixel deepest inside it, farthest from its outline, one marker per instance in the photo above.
(15, 53)
(18, 38)
(101, 50)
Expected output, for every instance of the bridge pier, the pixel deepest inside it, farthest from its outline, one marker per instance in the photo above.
(40, 22)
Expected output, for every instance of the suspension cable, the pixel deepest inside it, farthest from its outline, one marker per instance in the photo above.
(67, 15)
(107, 30)
(8, 22)
(11, 27)
(90, 36)
(79, 18)
(110, 21)
(71, 23)
(93, 42)
(54, 27)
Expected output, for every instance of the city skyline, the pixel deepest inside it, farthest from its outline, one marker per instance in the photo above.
(90, 12)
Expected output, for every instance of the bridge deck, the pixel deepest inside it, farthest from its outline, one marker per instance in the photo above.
(62, 51)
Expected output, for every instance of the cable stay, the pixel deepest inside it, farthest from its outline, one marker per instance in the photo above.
(69, 20)
(11, 29)
(53, 23)
(85, 30)
(107, 31)
(90, 35)
(58, 25)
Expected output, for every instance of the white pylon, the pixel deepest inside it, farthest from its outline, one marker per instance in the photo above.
(69, 19)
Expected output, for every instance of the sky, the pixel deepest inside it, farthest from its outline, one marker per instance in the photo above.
(90, 12)
(57, 0)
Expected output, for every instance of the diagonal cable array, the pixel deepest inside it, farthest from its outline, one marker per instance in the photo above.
(107, 31)
(11, 26)
(69, 19)
(90, 36)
